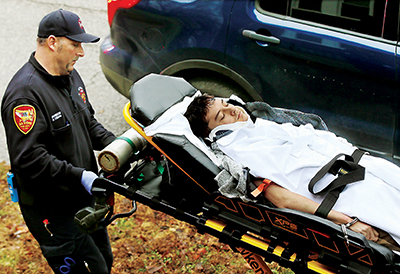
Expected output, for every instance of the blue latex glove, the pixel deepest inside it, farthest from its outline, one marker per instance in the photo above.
(87, 180)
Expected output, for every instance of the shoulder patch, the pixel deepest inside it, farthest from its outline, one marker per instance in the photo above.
(24, 117)
(82, 93)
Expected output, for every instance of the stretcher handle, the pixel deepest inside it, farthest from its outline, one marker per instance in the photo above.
(121, 215)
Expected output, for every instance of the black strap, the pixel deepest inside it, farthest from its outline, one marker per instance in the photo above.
(357, 154)
(349, 172)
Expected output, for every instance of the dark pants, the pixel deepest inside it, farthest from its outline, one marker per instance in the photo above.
(66, 248)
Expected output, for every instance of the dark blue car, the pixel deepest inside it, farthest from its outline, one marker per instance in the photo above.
(336, 58)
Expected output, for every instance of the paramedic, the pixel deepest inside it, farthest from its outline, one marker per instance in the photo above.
(51, 134)
(216, 118)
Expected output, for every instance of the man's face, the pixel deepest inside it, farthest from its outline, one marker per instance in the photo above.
(220, 113)
(68, 52)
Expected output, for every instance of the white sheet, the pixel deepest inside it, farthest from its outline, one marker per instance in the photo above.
(290, 156)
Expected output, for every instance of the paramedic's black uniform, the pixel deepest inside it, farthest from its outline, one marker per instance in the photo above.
(51, 134)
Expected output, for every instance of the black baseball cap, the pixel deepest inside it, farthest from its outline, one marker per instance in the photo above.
(67, 24)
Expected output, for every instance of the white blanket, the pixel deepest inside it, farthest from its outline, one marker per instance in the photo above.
(290, 156)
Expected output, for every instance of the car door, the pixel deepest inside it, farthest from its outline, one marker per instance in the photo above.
(396, 149)
(335, 58)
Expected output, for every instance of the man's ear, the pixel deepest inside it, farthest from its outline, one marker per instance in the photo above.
(52, 42)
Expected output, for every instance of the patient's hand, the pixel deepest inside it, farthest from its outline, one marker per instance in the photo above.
(368, 231)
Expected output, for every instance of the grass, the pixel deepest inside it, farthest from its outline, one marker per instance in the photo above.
(147, 242)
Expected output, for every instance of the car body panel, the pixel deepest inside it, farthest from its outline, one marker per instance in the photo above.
(351, 79)
(158, 38)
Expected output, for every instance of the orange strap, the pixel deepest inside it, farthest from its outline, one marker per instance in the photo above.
(262, 187)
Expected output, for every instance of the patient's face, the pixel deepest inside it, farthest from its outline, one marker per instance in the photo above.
(220, 113)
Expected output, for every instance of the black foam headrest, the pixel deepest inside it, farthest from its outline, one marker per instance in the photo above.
(153, 94)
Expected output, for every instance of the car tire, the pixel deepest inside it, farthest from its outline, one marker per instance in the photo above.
(218, 86)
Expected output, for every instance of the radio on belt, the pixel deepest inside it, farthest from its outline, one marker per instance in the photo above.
(11, 187)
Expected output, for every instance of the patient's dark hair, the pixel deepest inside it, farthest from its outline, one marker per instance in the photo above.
(196, 114)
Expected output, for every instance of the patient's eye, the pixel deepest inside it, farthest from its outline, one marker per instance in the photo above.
(225, 105)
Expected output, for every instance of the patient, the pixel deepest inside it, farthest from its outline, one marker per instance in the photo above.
(290, 156)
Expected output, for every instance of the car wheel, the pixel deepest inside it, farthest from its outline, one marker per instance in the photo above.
(218, 86)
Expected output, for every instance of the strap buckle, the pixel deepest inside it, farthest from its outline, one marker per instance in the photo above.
(344, 230)
(345, 226)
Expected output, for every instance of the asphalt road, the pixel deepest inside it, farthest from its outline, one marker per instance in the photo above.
(20, 19)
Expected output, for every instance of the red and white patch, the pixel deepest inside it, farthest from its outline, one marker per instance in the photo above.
(82, 93)
(24, 117)
(80, 23)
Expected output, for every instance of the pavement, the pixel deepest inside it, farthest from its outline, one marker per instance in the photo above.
(20, 20)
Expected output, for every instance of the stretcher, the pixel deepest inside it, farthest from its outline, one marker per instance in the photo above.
(169, 174)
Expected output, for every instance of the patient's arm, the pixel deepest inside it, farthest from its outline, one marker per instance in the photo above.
(284, 198)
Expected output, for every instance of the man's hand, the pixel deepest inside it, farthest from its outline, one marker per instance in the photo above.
(87, 180)
(368, 231)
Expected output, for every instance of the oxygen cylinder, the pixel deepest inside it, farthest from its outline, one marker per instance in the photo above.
(115, 155)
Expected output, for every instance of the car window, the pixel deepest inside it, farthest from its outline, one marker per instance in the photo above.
(372, 17)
